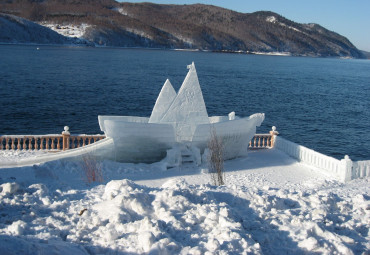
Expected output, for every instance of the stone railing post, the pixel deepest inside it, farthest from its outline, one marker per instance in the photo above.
(347, 168)
(66, 135)
(273, 133)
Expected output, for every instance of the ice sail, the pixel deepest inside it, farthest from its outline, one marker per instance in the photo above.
(164, 100)
(188, 108)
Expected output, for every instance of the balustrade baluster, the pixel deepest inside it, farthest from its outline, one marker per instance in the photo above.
(83, 141)
(13, 146)
(52, 143)
(36, 143)
(7, 143)
(89, 140)
(1, 144)
(30, 139)
(19, 143)
(72, 142)
(41, 143)
(47, 143)
(58, 143)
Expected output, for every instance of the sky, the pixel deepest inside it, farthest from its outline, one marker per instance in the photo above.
(350, 18)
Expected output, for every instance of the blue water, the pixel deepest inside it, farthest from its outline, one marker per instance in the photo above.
(323, 104)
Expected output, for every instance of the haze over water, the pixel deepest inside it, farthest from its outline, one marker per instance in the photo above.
(320, 103)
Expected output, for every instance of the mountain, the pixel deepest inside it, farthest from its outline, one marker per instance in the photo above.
(198, 26)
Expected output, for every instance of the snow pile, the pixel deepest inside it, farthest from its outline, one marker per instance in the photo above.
(179, 218)
(270, 205)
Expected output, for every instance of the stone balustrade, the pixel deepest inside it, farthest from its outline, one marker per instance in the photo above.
(263, 141)
(344, 169)
(65, 141)
(53, 142)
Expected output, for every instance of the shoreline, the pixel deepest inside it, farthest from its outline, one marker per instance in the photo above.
(272, 53)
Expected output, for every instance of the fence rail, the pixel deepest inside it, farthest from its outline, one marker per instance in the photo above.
(59, 143)
(54, 142)
(361, 169)
(311, 157)
(344, 169)
(31, 142)
(261, 141)
(65, 141)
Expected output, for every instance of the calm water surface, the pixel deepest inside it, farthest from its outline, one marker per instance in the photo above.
(323, 104)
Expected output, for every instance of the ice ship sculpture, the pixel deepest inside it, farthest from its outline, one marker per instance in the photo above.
(178, 120)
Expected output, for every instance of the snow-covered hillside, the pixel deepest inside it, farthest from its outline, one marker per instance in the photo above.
(68, 30)
(15, 29)
(271, 204)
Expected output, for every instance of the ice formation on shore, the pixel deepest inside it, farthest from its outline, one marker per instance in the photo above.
(178, 121)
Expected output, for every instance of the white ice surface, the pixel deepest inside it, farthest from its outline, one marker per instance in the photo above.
(188, 109)
(164, 100)
(270, 204)
(235, 134)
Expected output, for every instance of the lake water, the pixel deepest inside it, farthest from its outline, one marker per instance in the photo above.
(323, 104)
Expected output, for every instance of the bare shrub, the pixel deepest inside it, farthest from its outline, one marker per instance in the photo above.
(216, 159)
(92, 169)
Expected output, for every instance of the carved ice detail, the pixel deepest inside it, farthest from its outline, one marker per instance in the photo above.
(188, 108)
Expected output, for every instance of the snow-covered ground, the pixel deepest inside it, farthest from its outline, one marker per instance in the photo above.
(270, 204)
(11, 156)
(69, 30)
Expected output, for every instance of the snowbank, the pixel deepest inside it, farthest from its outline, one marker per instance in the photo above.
(270, 205)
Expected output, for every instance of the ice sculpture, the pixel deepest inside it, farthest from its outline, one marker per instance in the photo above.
(177, 120)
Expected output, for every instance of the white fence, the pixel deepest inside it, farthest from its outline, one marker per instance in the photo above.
(361, 169)
(344, 169)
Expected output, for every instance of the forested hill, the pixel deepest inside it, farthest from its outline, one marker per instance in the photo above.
(204, 27)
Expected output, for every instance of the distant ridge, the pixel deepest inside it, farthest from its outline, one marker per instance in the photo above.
(198, 26)
(366, 53)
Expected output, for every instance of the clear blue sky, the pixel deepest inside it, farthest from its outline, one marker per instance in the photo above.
(350, 18)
